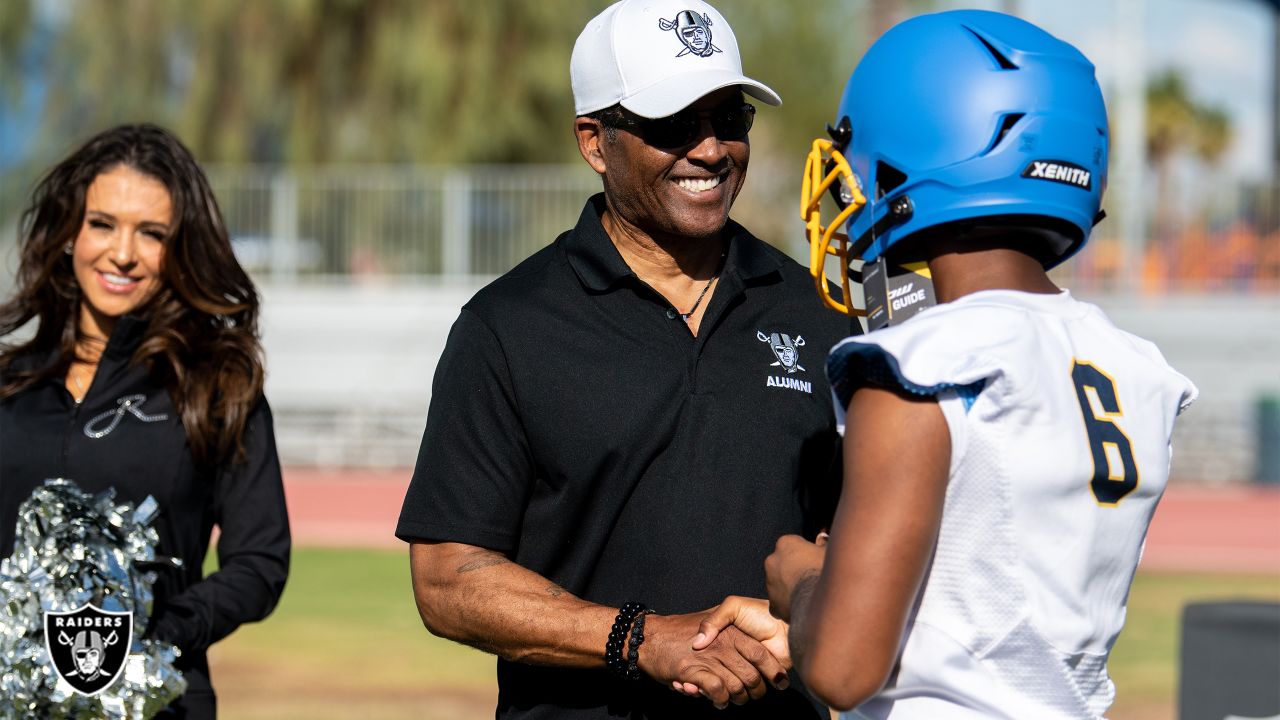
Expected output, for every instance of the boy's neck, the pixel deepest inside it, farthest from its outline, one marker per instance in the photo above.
(960, 272)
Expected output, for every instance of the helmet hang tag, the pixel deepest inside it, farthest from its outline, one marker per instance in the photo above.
(894, 293)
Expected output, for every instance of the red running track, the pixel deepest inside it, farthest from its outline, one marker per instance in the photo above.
(1216, 529)
(345, 508)
(1196, 528)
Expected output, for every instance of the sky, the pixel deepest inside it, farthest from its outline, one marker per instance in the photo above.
(1222, 47)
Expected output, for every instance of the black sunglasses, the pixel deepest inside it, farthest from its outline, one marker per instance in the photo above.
(728, 122)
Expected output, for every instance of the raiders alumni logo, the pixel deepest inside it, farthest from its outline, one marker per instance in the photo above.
(1059, 171)
(88, 646)
(694, 31)
(784, 349)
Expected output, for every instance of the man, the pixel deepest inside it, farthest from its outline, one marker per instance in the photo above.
(612, 430)
(1006, 448)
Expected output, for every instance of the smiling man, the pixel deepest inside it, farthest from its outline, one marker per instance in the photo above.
(611, 449)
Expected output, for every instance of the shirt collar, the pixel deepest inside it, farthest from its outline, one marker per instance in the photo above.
(591, 253)
(125, 336)
(600, 266)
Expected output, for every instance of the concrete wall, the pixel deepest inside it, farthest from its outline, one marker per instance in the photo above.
(350, 369)
(1230, 347)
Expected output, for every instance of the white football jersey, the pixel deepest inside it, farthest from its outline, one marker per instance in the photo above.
(1060, 426)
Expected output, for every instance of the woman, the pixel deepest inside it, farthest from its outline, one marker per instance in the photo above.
(144, 374)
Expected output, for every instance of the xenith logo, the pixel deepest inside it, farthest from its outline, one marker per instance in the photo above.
(785, 350)
(88, 646)
(1059, 171)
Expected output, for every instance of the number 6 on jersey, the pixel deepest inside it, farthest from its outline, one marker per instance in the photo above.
(1115, 474)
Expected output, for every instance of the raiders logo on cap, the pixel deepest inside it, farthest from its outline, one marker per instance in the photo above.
(694, 31)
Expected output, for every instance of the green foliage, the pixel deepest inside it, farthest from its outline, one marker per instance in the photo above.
(804, 51)
(424, 81)
(1175, 120)
(15, 23)
(439, 81)
(319, 81)
(398, 81)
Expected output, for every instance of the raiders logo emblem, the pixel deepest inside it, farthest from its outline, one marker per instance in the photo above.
(694, 31)
(88, 646)
(784, 348)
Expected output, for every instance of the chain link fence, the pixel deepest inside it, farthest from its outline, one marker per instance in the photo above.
(354, 223)
(349, 224)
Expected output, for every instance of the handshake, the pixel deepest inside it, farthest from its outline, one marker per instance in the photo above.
(736, 650)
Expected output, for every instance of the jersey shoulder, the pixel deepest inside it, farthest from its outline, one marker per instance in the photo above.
(945, 347)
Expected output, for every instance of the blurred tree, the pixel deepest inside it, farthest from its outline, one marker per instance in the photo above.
(884, 15)
(804, 51)
(317, 80)
(15, 20)
(379, 80)
(1177, 123)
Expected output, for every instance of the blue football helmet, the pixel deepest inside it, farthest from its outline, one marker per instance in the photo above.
(966, 116)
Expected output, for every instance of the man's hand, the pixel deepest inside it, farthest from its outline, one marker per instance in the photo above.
(732, 667)
(793, 559)
(751, 616)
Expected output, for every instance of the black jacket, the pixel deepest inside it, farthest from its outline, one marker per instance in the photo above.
(127, 434)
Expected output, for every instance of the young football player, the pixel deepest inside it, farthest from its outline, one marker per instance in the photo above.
(1005, 448)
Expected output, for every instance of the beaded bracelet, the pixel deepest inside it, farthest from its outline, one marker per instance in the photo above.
(637, 637)
(613, 658)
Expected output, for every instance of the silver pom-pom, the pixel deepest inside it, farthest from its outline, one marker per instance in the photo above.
(73, 549)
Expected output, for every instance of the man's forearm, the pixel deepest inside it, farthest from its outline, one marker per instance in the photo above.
(480, 598)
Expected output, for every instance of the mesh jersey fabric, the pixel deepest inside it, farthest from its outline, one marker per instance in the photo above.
(1026, 592)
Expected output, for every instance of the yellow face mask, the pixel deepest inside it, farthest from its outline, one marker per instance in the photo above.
(825, 167)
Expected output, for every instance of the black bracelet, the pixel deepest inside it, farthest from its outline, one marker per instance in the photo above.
(613, 658)
(637, 637)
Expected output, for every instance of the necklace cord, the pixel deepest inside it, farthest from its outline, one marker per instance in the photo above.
(686, 315)
(696, 303)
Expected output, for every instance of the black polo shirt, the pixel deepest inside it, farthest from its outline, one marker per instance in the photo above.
(577, 426)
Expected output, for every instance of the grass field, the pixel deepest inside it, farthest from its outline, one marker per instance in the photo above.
(346, 642)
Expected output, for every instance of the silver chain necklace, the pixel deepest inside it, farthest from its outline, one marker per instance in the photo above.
(685, 316)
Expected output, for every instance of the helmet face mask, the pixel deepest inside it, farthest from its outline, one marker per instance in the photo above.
(964, 118)
(827, 171)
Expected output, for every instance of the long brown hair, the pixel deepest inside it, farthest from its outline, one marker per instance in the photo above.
(201, 339)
